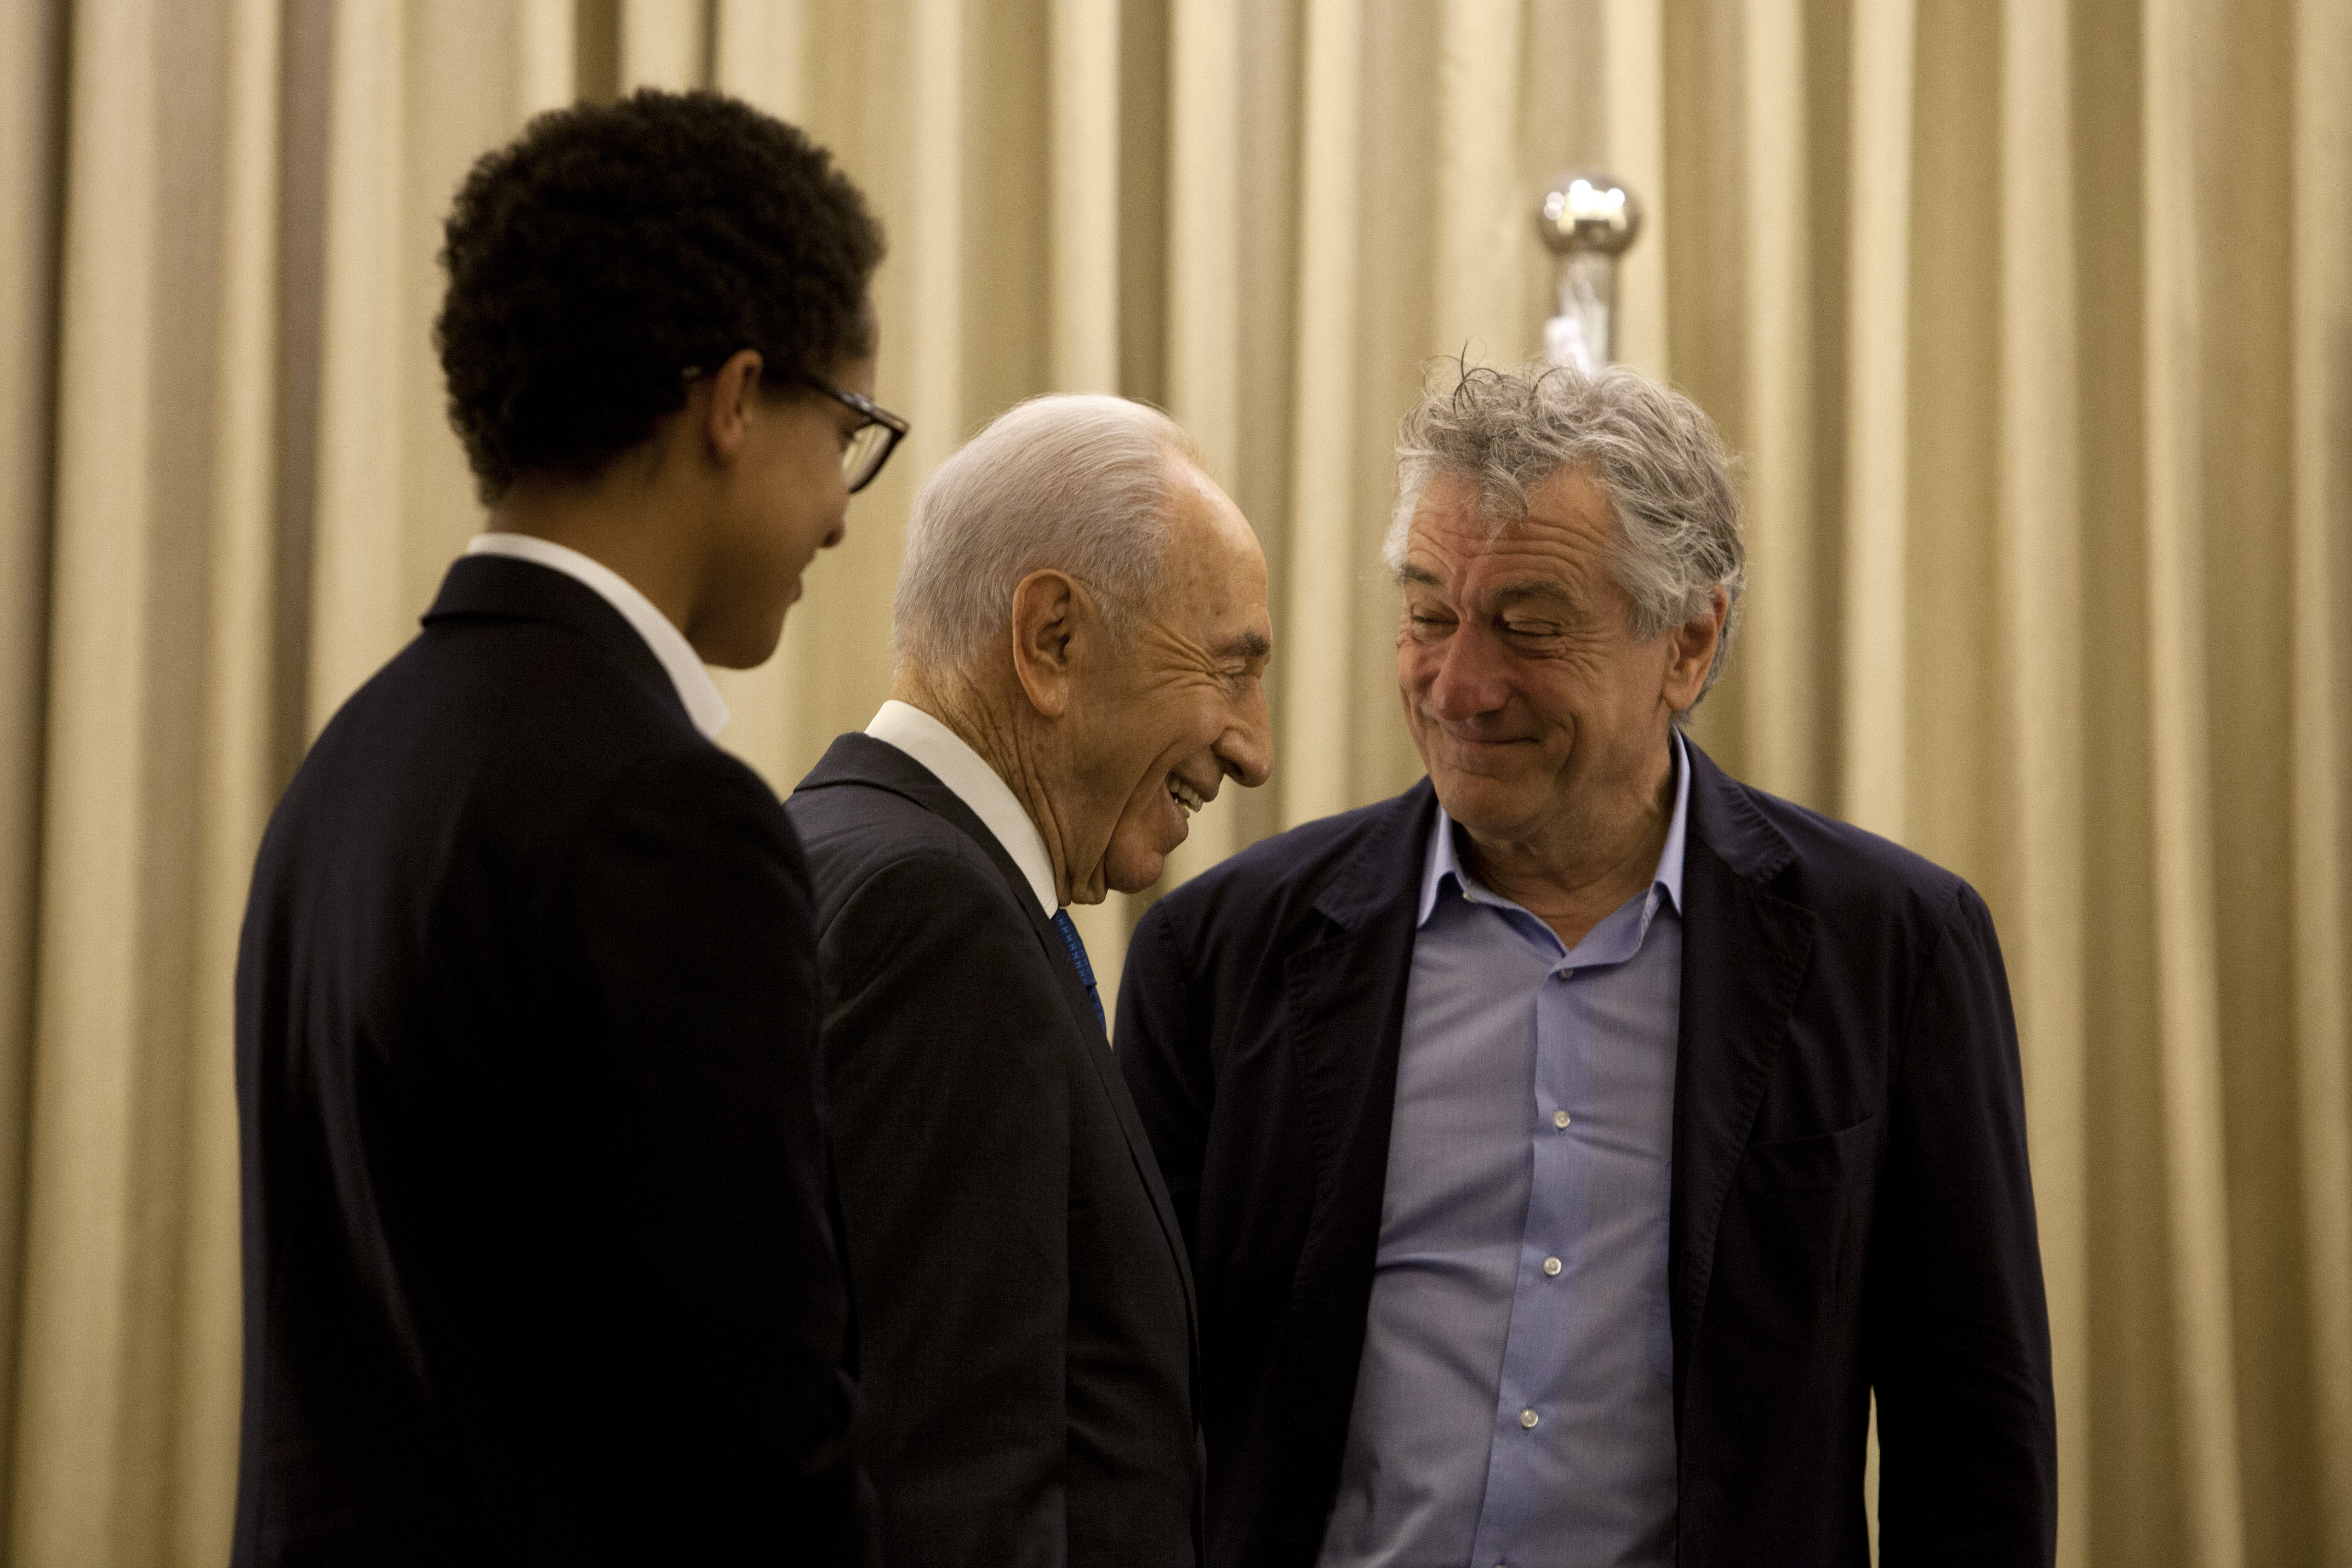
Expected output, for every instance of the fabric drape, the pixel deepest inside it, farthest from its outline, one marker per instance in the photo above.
(2031, 321)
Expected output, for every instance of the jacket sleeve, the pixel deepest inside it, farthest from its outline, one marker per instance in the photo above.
(702, 1118)
(947, 1064)
(1163, 1051)
(1956, 1329)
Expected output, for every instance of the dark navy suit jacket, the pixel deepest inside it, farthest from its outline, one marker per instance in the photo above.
(538, 1260)
(1025, 1313)
(1851, 1204)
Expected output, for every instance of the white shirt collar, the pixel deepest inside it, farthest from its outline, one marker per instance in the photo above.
(969, 778)
(695, 689)
(1443, 861)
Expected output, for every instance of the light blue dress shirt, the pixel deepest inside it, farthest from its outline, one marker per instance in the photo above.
(1515, 1403)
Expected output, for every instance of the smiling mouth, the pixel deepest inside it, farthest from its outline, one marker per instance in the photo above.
(1185, 796)
(1457, 737)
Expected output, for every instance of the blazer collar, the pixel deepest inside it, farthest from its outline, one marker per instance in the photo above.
(1725, 818)
(1386, 865)
(861, 760)
(1745, 953)
(857, 759)
(502, 588)
(1344, 990)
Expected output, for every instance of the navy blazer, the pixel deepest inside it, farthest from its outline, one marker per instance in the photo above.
(538, 1261)
(1851, 1204)
(1024, 1312)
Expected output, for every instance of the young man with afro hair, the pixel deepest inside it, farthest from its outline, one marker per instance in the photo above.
(540, 1263)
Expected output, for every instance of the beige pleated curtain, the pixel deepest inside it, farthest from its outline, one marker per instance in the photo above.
(2034, 320)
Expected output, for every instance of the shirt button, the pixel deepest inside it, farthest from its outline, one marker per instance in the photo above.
(1559, 1118)
(1527, 1419)
(1551, 1266)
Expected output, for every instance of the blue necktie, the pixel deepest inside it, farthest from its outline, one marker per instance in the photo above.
(1063, 923)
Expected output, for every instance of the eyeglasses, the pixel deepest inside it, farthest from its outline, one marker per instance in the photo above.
(871, 439)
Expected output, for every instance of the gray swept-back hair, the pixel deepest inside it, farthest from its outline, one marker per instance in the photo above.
(1078, 482)
(1651, 451)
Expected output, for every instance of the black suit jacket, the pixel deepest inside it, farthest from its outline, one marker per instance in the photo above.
(537, 1263)
(1850, 1208)
(1025, 1311)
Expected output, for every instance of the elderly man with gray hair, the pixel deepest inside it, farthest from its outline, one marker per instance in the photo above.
(1081, 634)
(1571, 1147)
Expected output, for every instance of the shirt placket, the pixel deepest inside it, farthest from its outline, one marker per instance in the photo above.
(1543, 1295)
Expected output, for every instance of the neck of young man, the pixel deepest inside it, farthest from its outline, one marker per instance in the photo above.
(623, 519)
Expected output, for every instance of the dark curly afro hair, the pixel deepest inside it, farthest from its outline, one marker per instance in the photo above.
(612, 247)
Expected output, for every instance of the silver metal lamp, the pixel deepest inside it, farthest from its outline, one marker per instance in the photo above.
(1587, 219)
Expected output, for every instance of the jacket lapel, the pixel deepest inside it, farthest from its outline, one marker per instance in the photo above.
(861, 759)
(1744, 953)
(1345, 995)
(855, 758)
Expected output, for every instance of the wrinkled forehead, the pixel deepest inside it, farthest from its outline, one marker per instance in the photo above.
(1213, 559)
(1566, 528)
(1203, 516)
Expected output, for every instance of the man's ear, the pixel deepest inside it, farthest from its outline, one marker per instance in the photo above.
(1046, 607)
(726, 419)
(1690, 652)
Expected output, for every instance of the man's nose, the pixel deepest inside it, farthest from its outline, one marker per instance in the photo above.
(1470, 678)
(1245, 749)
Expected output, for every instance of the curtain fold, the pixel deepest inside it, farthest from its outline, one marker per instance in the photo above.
(1631, 88)
(114, 1087)
(2031, 322)
(2038, 537)
(1874, 775)
(238, 761)
(31, 96)
(1324, 554)
(2189, 1025)
(2322, 725)
(1777, 634)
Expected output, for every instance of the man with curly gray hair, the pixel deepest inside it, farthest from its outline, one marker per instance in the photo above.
(1571, 1147)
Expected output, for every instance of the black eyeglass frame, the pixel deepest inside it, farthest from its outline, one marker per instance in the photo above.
(869, 413)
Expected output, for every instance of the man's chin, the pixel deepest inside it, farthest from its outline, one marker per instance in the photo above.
(1134, 868)
(1480, 803)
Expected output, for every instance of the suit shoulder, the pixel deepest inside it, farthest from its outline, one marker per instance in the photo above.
(857, 836)
(861, 823)
(689, 776)
(1839, 868)
(539, 678)
(503, 741)
(1301, 852)
(1275, 884)
(521, 700)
